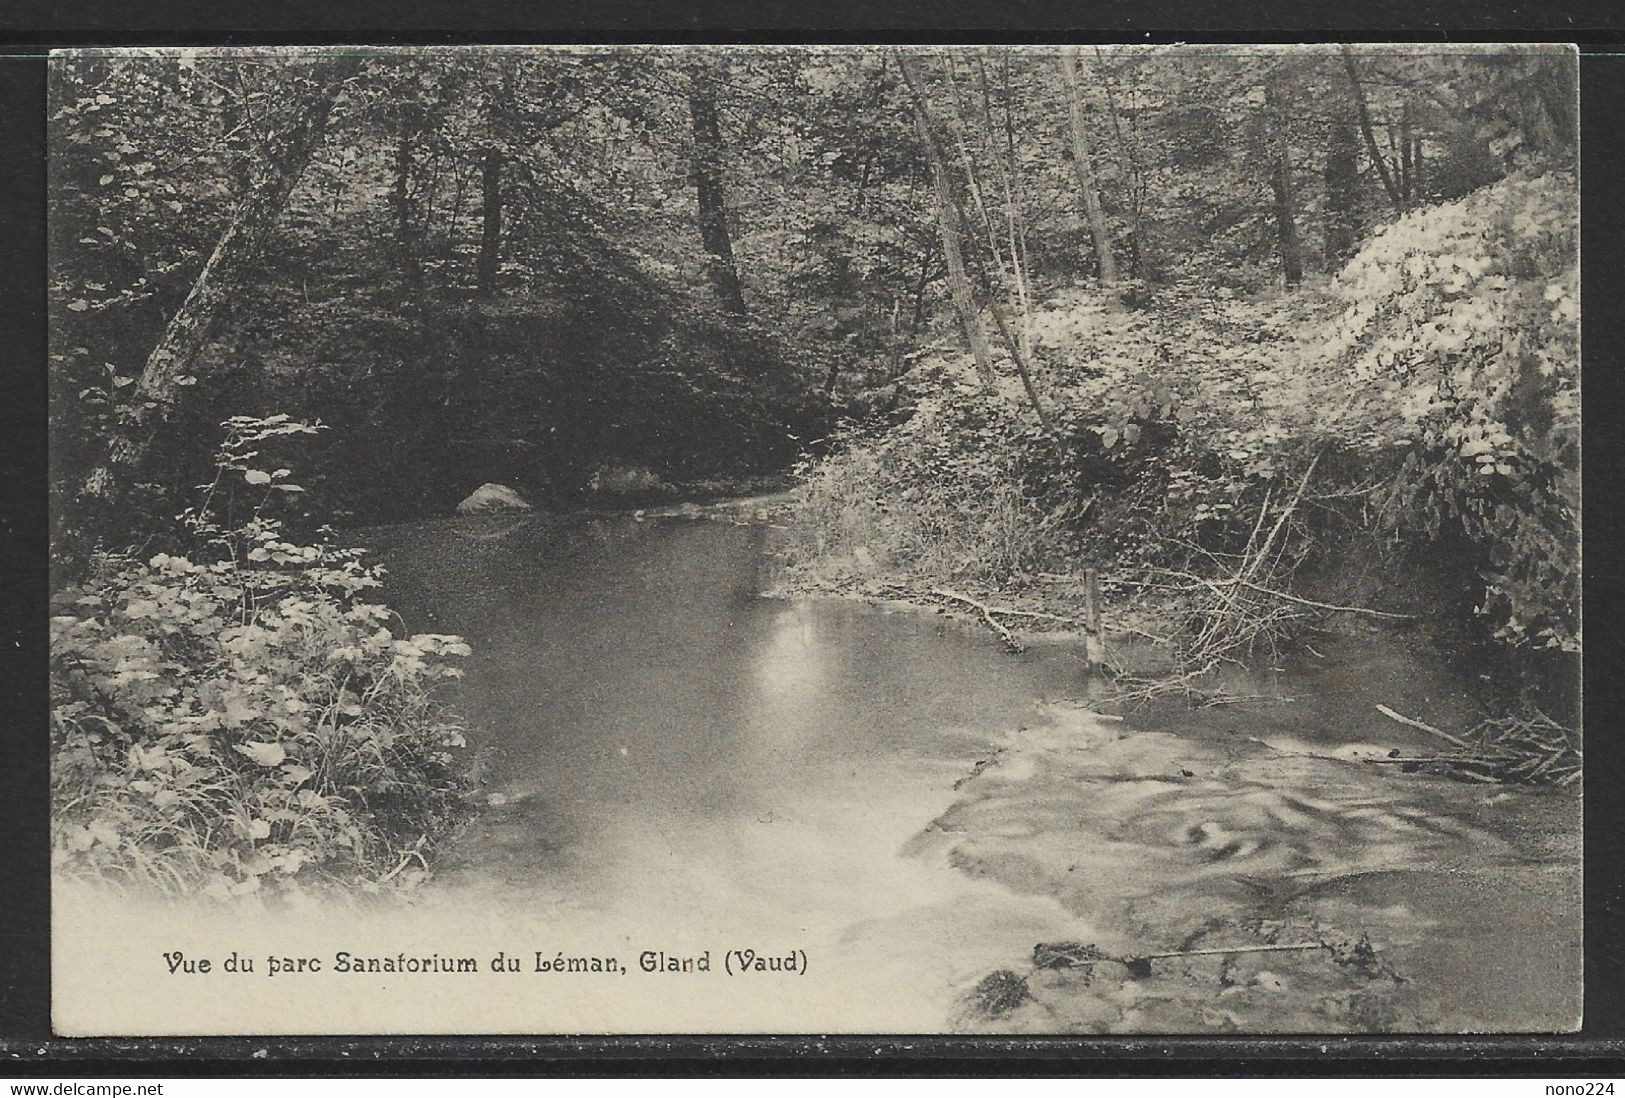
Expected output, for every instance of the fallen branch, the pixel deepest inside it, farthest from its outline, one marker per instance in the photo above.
(1213, 701)
(1225, 951)
(1147, 634)
(1322, 605)
(1010, 611)
(1080, 955)
(1461, 768)
(987, 612)
(415, 852)
(1510, 750)
(1428, 728)
(1251, 567)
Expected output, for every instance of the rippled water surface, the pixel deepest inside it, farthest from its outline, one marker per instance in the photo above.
(679, 763)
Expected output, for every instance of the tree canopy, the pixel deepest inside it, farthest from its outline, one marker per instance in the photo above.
(533, 262)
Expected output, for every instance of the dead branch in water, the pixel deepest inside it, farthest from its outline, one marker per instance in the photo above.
(1532, 750)
(1225, 951)
(1428, 728)
(987, 613)
(1085, 956)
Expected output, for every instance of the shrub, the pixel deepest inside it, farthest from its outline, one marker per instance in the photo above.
(237, 717)
(616, 479)
(1422, 406)
(939, 498)
(1463, 336)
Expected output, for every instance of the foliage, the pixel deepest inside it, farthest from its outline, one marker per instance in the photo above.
(236, 717)
(916, 508)
(497, 266)
(370, 286)
(1463, 336)
(1210, 451)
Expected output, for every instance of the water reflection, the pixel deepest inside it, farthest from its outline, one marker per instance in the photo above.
(633, 664)
(790, 672)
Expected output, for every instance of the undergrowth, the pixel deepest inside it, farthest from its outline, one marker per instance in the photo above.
(1214, 452)
(235, 717)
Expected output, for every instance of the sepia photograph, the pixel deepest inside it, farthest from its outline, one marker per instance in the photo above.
(688, 539)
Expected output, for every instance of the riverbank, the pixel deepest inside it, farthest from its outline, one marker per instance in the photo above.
(950, 838)
(1163, 637)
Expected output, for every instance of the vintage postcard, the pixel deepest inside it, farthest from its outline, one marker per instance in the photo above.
(1075, 540)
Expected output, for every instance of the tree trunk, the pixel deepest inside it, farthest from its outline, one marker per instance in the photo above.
(189, 331)
(707, 169)
(959, 286)
(1083, 166)
(485, 278)
(406, 242)
(1377, 160)
(1407, 149)
(1555, 84)
(956, 127)
(1342, 179)
(1139, 248)
(1286, 223)
(917, 316)
(1010, 181)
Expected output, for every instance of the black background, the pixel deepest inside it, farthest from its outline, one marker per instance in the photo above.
(26, 1044)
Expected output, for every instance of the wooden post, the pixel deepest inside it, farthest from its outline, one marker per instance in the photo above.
(1095, 641)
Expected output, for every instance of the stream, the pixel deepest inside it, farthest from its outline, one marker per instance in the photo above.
(676, 764)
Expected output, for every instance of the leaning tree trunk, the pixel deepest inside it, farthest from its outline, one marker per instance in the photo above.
(1286, 223)
(959, 285)
(1082, 164)
(1377, 160)
(189, 331)
(713, 208)
(485, 272)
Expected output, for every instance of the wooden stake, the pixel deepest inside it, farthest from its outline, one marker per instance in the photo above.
(1095, 641)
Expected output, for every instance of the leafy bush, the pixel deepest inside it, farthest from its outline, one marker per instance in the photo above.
(1427, 397)
(941, 496)
(1463, 339)
(236, 717)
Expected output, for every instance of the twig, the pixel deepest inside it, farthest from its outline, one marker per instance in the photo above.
(1428, 728)
(1263, 550)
